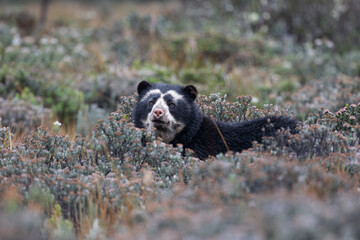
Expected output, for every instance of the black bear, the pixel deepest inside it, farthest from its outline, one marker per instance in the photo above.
(171, 110)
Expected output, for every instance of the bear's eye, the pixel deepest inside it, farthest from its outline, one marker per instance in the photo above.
(171, 104)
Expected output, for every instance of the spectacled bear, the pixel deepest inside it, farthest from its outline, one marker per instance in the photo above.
(171, 110)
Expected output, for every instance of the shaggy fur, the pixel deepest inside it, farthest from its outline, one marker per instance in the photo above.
(172, 111)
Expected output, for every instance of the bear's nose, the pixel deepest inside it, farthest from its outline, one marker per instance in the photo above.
(158, 113)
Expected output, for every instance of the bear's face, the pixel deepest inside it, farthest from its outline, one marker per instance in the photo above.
(165, 108)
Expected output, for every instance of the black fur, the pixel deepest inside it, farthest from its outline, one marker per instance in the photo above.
(238, 136)
(201, 134)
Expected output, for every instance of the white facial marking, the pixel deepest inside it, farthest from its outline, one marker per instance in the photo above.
(171, 126)
(154, 91)
(174, 94)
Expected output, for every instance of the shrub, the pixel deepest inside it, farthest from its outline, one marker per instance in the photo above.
(216, 106)
(65, 101)
(304, 21)
(23, 224)
(312, 141)
(21, 19)
(108, 168)
(22, 116)
(328, 93)
(119, 139)
(215, 204)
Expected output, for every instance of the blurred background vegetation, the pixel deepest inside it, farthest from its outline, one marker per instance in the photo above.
(77, 58)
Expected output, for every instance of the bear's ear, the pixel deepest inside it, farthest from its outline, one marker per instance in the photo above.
(191, 91)
(143, 85)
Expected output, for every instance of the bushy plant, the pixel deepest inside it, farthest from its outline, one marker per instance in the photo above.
(216, 202)
(22, 116)
(106, 89)
(217, 106)
(65, 101)
(348, 116)
(323, 19)
(23, 224)
(105, 168)
(312, 141)
(216, 47)
(5, 137)
(119, 139)
(328, 93)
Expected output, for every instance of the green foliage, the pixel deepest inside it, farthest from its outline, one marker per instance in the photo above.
(16, 80)
(62, 228)
(216, 47)
(139, 24)
(176, 46)
(28, 96)
(5, 37)
(286, 85)
(41, 195)
(161, 74)
(64, 100)
(206, 76)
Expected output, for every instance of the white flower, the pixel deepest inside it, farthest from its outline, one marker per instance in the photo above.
(44, 40)
(16, 41)
(318, 42)
(57, 123)
(287, 65)
(329, 44)
(254, 100)
(266, 15)
(254, 17)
